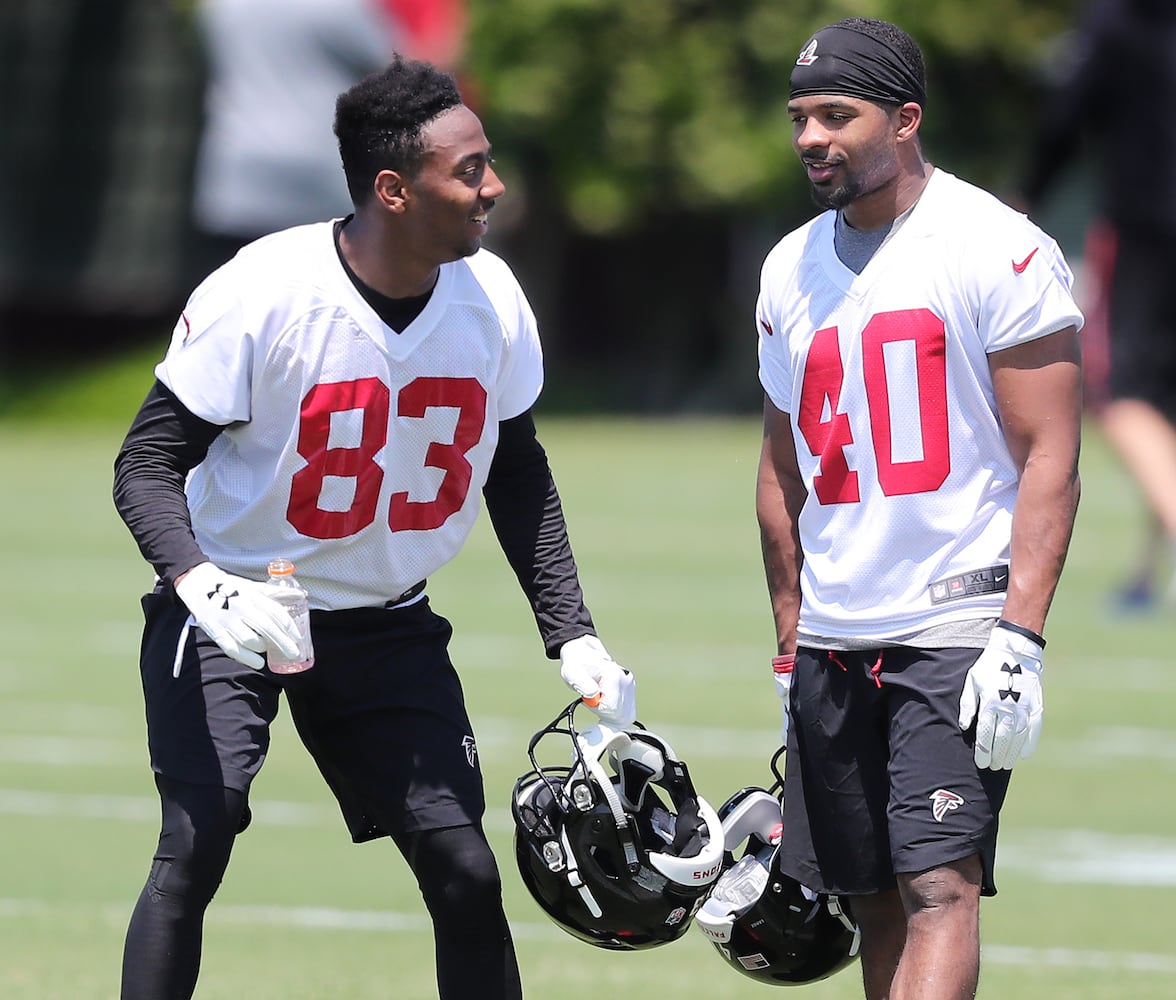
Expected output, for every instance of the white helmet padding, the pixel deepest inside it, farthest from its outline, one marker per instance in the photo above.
(639, 758)
(763, 923)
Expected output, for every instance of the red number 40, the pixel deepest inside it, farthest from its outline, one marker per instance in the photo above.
(828, 432)
(372, 399)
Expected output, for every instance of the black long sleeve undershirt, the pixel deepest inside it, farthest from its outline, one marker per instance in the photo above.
(528, 519)
(166, 441)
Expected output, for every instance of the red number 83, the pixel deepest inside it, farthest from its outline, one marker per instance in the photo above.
(372, 399)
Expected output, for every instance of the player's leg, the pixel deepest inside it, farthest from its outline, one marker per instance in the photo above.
(836, 791)
(1138, 419)
(462, 890)
(383, 714)
(943, 817)
(161, 957)
(208, 731)
(882, 921)
(941, 956)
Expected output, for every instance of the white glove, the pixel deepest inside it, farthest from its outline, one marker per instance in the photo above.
(1002, 692)
(604, 685)
(782, 671)
(239, 615)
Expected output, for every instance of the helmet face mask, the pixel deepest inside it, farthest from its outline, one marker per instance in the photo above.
(615, 846)
(763, 923)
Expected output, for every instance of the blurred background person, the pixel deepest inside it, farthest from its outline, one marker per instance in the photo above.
(266, 157)
(1115, 99)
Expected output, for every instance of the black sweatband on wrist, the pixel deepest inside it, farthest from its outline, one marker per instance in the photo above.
(1028, 633)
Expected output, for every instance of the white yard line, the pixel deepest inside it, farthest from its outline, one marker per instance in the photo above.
(385, 921)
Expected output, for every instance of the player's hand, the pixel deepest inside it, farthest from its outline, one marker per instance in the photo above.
(239, 615)
(1002, 693)
(606, 687)
(782, 671)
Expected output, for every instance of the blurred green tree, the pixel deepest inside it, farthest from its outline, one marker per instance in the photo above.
(639, 108)
(646, 147)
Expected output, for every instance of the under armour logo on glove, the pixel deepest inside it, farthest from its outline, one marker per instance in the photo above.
(1002, 696)
(1010, 669)
(239, 615)
(228, 597)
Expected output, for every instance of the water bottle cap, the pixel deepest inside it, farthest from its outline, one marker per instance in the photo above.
(281, 567)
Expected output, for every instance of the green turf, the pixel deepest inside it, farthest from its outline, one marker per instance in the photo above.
(662, 520)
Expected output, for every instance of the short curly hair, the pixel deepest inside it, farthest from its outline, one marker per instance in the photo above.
(378, 122)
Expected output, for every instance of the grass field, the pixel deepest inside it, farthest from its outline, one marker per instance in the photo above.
(661, 518)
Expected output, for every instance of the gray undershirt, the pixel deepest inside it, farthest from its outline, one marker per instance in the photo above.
(950, 635)
(855, 248)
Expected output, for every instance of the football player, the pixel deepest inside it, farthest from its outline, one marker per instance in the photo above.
(340, 394)
(916, 495)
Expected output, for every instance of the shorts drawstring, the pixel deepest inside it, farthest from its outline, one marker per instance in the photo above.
(875, 670)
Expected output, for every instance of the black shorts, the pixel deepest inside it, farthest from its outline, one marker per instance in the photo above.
(878, 777)
(1143, 321)
(381, 712)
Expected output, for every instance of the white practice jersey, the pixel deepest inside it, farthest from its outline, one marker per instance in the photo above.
(885, 377)
(355, 451)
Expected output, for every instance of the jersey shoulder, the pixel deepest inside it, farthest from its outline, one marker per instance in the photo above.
(486, 279)
(798, 247)
(982, 233)
(976, 218)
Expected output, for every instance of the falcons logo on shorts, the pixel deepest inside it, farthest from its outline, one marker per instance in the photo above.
(471, 751)
(942, 802)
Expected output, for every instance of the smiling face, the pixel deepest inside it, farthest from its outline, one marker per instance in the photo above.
(449, 198)
(849, 147)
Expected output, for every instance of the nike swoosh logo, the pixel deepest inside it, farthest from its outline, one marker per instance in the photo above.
(1019, 268)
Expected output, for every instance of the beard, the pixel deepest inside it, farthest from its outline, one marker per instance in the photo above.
(839, 197)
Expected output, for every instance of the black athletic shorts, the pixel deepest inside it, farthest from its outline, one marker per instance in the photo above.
(1143, 321)
(381, 712)
(878, 777)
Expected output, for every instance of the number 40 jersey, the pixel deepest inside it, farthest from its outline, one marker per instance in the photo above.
(885, 377)
(358, 452)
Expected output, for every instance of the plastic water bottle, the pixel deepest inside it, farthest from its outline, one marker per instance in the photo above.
(294, 599)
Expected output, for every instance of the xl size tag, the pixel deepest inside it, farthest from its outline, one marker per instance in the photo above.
(981, 581)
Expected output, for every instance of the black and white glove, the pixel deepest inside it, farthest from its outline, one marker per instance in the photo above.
(782, 670)
(606, 687)
(1002, 693)
(239, 615)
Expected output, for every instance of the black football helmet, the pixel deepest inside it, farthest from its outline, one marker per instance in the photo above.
(615, 846)
(763, 923)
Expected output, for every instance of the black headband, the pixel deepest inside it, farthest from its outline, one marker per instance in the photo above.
(840, 60)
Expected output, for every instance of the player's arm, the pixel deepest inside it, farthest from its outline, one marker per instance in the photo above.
(1038, 387)
(780, 494)
(528, 520)
(165, 442)
(527, 516)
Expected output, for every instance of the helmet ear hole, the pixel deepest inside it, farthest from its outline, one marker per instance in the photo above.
(636, 846)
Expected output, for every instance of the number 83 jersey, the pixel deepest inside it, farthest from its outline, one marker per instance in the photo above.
(886, 380)
(358, 452)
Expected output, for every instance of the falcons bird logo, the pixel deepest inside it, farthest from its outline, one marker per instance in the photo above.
(942, 802)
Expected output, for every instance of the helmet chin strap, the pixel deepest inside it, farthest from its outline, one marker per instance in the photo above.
(574, 879)
(592, 763)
